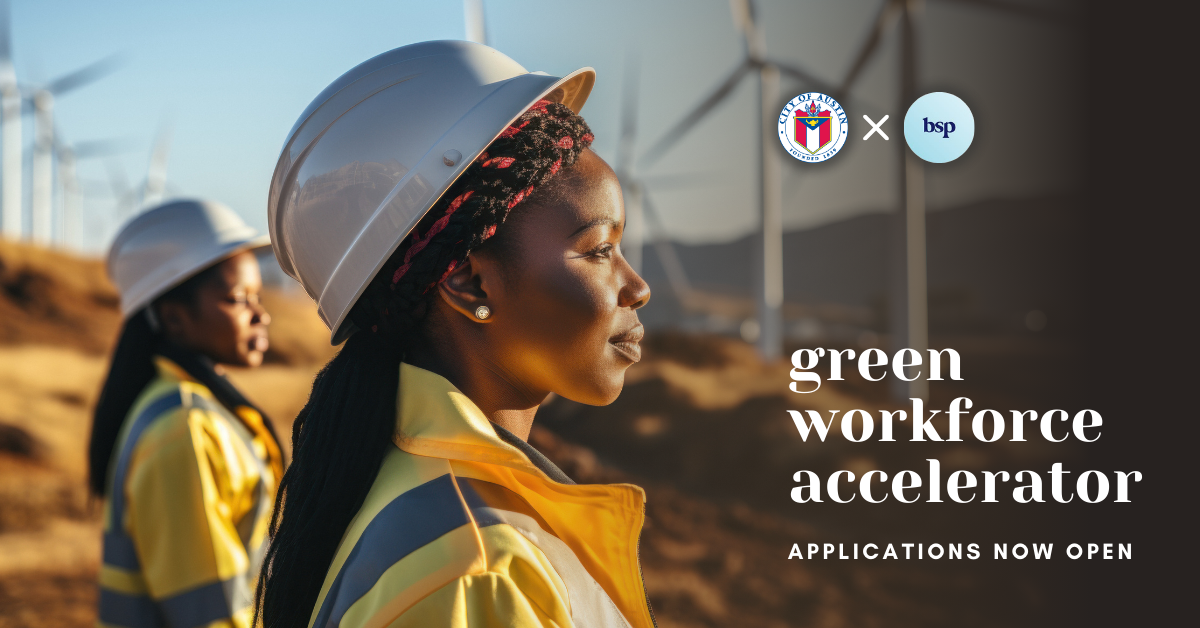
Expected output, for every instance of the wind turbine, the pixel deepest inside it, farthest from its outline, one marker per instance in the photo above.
(909, 317)
(639, 209)
(10, 129)
(67, 158)
(769, 267)
(152, 188)
(42, 100)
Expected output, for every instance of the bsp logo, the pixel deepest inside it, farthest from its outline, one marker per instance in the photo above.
(945, 128)
(939, 127)
(812, 127)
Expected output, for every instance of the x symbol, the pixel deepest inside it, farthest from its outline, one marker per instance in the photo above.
(875, 127)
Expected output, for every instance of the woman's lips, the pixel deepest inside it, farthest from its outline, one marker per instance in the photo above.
(627, 345)
(260, 343)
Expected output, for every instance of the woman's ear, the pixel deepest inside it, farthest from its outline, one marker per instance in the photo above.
(174, 319)
(465, 289)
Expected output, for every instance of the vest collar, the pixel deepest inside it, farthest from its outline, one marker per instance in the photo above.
(435, 419)
(169, 370)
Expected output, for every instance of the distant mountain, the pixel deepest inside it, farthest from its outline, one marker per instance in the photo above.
(990, 265)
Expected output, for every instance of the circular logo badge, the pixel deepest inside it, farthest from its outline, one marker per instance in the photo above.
(812, 127)
(939, 127)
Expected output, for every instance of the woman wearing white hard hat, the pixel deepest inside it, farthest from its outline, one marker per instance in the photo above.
(441, 205)
(189, 467)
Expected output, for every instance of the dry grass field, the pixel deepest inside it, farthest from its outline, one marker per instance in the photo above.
(701, 425)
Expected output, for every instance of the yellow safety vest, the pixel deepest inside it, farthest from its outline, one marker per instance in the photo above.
(462, 529)
(190, 493)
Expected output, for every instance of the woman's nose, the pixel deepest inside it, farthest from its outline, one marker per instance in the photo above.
(636, 291)
(261, 317)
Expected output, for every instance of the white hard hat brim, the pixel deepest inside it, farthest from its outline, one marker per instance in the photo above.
(170, 275)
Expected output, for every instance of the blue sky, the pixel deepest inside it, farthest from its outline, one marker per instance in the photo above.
(231, 77)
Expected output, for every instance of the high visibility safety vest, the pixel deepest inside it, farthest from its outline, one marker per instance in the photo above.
(461, 528)
(191, 488)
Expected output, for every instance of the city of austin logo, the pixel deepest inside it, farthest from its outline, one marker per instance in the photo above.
(812, 127)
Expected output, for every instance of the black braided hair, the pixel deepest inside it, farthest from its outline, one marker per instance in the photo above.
(341, 436)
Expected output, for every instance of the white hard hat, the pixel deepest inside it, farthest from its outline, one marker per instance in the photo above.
(375, 150)
(164, 246)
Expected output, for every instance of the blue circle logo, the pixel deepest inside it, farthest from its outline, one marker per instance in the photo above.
(939, 127)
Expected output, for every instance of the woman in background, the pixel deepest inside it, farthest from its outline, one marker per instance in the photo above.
(189, 467)
(443, 207)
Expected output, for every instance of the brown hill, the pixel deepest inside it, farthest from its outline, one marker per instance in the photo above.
(50, 297)
(55, 298)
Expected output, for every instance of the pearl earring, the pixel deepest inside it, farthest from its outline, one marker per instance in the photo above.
(482, 312)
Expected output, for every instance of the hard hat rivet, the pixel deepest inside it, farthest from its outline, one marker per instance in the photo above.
(451, 157)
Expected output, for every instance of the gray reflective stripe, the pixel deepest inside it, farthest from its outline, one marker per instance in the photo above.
(206, 604)
(118, 547)
(130, 611)
(493, 504)
(414, 519)
(119, 551)
(197, 607)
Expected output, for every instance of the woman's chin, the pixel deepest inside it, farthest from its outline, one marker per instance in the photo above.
(607, 391)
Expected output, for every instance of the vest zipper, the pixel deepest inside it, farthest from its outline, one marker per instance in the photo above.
(642, 575)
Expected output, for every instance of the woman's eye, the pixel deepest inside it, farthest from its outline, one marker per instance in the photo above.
(605, 250)
(243, 299)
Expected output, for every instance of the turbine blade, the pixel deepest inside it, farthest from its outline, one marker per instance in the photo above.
(101, 148)
(887, 15)
(84, 75)
(689, 180)
(805, 77)
(1023, 10)
(703, 109)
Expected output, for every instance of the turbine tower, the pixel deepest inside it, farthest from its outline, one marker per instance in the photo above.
(476, 27)
(633, 238)
(43, 99)
(10, 135)
(909, 313)
(155, 186)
